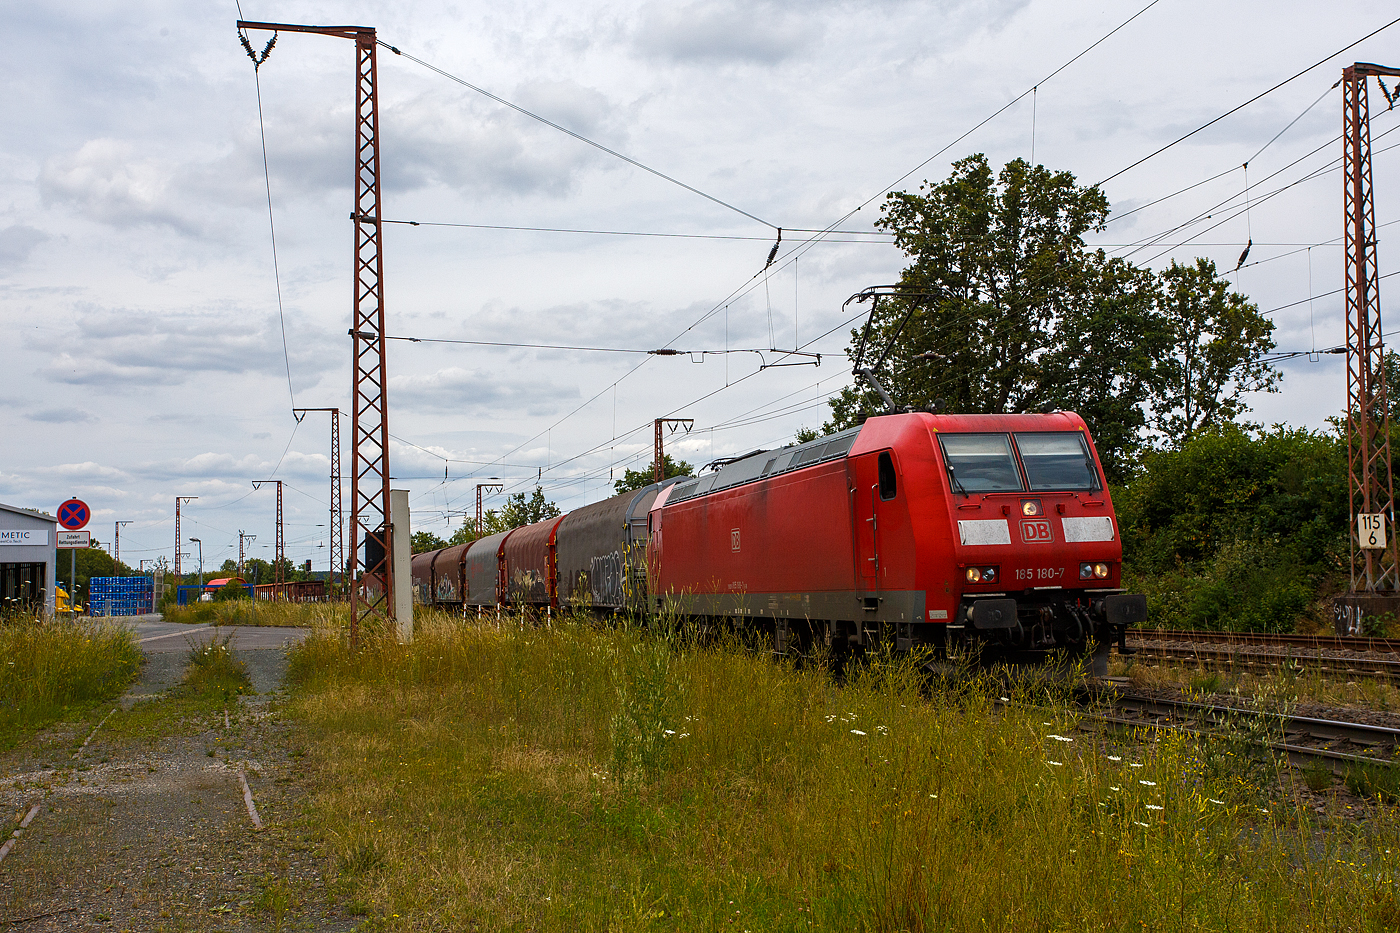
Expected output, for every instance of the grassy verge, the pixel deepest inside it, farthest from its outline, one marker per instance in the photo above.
(573, 777)
(1285, 685)
(244, 612)
(51, 670)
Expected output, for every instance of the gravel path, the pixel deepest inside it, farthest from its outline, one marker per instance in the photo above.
(146, 827)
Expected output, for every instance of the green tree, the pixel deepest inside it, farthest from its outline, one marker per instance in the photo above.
(519, 511)
(1105, 363)
(464, 535)
(636, 479)
(1021, 316)
(1000, 253)
(426, 541)
(1216, 340)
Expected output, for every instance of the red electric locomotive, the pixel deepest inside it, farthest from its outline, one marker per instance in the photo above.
(920, 528)
(989, 530)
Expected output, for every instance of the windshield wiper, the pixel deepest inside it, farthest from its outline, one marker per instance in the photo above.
(957, 483)
(1094, 485)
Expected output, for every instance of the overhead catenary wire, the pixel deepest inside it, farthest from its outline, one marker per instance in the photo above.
(578, 136)
(1312, 176)
(800, 247)
(646, 233)
(1257, 97)
(267, 181)
(661, 351)
(803, 245)
(1209, 212)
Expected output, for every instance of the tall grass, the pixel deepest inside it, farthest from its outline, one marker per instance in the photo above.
(51, 669)
(214, 670)
(570, 776)
(266, 612)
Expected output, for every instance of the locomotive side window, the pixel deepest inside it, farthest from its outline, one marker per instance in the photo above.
(1058, 461)
(980, 463)
(888, 486)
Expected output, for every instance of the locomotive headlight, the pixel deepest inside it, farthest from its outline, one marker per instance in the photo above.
(1101, 571)
(974, 575)
(1086, 571)
(1030, 506)
(989, 575)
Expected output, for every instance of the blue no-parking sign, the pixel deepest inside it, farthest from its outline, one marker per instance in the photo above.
(74, 514)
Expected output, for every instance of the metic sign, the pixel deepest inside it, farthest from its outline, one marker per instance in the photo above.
(74, 514)
(1370, 531)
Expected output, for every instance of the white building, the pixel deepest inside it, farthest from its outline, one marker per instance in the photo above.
(28, 557)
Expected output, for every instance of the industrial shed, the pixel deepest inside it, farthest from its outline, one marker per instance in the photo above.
(28, 558)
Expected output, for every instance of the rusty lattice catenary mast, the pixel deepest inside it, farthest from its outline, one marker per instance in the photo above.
(337, 521)
(1372, 490)
(371, 592)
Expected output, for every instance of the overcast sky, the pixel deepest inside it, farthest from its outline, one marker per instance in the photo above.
(143, 348)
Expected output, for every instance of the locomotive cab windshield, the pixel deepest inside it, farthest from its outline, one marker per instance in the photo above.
(1059, 461)
(980, 463)
(988, 463)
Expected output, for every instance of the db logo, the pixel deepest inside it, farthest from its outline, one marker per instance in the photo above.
(1037, 532)
(734, 539)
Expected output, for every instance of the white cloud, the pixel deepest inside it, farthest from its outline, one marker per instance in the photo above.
(725, 31)
(17, 241)
(455, 389)
(109, 180)
(61, 416)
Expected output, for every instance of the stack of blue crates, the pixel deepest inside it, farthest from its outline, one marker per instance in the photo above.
(119, 596)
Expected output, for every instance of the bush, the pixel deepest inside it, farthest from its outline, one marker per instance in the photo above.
(231, 590)
(1237, 532)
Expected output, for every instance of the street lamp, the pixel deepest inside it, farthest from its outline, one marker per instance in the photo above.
(201, 564)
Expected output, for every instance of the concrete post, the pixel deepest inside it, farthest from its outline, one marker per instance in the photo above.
(401, 540)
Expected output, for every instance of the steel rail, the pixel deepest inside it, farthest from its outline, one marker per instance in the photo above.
(1216, 658)
(1320, 642)
(1206, 719)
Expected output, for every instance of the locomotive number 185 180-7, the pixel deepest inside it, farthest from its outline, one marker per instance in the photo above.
(1039, 573)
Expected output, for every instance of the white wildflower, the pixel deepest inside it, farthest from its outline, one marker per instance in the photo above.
(1148, 783)
(1153, 806)
(1059, 738)
(857, 732)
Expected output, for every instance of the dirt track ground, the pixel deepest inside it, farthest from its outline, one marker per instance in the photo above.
(146, 827)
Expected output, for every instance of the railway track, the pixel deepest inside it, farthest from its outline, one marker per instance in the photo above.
(1375, 658)
(1264, 640)
(1341, 745)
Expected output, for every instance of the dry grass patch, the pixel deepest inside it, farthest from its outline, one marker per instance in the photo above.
(57, 668)
(261, 613)
(564, 777)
